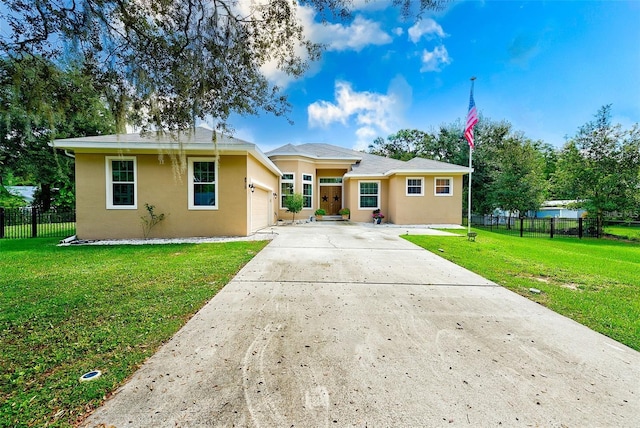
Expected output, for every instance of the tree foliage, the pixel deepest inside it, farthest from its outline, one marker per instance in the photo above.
(410, 143)
(293, 204)
(518, 183)
(600, 167)
(40, 102)
(173, 61)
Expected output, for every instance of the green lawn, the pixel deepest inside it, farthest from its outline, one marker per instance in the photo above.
(65, 311)
(631, 233)
(593, 281)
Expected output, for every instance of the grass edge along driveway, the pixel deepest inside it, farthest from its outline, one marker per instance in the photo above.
(592, 281)
(65, 311)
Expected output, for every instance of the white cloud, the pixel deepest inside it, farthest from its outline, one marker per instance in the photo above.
(398, 31)
(355, 36)
(361, 32)
(427, 27)
(368, 108)
(365, 136)
(373, 114)
(432, 61)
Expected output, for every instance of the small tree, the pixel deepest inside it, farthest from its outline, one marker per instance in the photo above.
(518, 183)
(293, 204)
(150, 220)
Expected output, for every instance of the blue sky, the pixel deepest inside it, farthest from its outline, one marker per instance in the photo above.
(545, 66)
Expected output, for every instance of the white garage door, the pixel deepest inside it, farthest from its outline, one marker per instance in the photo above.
(259, 209)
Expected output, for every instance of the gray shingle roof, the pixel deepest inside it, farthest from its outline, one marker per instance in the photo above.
(365, 163)
(196, 141)
(316, 151)
(199, 135)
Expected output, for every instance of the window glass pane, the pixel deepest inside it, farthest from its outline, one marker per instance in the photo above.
(307, 191)
(414, 186)
(326, 180)
(306, 177)
(368, 188)
(122, 194)
(368, 195)
(443, 186)
(204, 194)
(286, 189)
(204, 172)
(287, 176)
(122, 170)
(368, 201)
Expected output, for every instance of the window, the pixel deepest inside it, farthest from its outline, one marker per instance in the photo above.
(330, 180)
(414, 187)
(121, 183)
(369, 194)
(307, 190)
(443, 186)
(203, 193)
(286, 187)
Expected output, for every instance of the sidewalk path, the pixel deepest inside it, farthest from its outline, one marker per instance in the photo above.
(336, 325)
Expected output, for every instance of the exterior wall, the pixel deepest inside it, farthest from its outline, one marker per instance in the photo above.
(398, 208)
(426, 209)
(264, 179)
(365, 215)
(165, 187)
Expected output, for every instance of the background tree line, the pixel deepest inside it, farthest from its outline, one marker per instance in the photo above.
(599, 167)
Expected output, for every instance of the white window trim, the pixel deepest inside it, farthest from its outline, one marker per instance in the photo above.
(292, 181)
(310, 181)
(435, 180)
(379, 194)
(406, 187)
(190, 192)
(109, 181)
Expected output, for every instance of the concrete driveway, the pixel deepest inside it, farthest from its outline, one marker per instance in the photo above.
(348, 325)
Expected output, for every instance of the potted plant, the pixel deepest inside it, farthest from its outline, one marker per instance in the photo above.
(377, 216)
(319, 213)
(345, 213)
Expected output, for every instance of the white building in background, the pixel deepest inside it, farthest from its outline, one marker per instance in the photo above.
(558, 209)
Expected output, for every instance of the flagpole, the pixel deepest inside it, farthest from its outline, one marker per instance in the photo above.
(471, 145)
(469, 193)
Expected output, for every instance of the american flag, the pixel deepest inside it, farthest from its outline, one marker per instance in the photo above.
(472, 119)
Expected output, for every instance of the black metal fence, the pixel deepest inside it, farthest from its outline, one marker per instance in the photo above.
(538, 227)
(32, 222)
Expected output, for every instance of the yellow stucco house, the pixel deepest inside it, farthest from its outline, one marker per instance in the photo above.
(234, 189)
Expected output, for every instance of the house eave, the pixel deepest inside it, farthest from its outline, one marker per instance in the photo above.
(456, 171)
(407, 172)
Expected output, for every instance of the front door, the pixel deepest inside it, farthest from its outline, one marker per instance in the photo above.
(331, 199)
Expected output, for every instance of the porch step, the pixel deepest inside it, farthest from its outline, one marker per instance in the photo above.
(330, 218)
